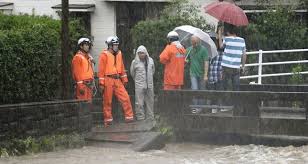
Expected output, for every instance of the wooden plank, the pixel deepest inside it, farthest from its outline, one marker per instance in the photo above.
(114, 137)
(138, 126)
(148, 141)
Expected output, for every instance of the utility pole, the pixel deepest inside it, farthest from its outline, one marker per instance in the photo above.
(65, 49)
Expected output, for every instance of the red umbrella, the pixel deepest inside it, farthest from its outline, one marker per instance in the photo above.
(227, 12)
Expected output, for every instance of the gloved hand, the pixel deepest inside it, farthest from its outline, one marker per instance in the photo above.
(102, 88)
(81, 91)
(125, 84)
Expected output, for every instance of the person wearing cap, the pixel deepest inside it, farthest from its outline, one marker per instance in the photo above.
(82, 70)
(112, 79)
(173, 57)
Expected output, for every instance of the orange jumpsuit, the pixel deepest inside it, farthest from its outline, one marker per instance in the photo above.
(82, 71)
(112, 76)
(173, 58)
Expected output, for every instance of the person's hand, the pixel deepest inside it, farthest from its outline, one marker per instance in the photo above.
(219, 32)
(243, 69)
(125, 84)
(205, 78)
(81, 91)
(102, 88)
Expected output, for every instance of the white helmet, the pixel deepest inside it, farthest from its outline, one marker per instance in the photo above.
(84, 40)
(112, 40)
(172, 34)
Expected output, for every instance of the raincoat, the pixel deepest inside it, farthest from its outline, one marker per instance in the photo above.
(142, 73)
(82, 71)
(112, 77)
(173, 57)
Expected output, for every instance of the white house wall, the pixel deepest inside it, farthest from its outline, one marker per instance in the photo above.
(103, 25)
(37, 7)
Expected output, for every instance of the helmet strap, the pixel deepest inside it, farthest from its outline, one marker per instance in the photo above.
(81, 49)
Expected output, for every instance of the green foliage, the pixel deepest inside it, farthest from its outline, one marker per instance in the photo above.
(297, 78)
(3, 153)
(43, 144)
(275, 30)
(152, 33)
(279, 30)
(30, 57)
(164, 127)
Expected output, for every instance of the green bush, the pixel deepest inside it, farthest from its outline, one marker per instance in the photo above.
(272, 30)
(276, 29)
(30, 57)
(43, 144)
(152, 33)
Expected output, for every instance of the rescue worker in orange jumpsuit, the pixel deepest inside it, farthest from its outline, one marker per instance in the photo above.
(112, 79)
(173, 57)
(82, 70)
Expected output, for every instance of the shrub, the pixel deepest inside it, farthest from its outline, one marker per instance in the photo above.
(43, 144)
(275, 30)
(30, 57)
(152, 33)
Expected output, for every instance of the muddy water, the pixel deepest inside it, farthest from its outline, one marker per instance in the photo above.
(179, 153)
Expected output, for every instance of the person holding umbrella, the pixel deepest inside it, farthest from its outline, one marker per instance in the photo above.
(234, 56)
(197, 56)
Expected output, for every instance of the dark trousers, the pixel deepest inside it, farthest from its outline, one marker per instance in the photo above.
(218, 87)
(231, 78)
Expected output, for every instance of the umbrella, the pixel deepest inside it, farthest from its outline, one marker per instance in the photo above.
(227, 12)
(186, 31)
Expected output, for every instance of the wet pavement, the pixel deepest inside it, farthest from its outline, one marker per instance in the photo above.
(175, 153)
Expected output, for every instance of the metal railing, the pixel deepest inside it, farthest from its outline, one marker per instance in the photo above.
(260, 64)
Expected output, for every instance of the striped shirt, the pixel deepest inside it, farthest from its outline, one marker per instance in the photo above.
(234, 49)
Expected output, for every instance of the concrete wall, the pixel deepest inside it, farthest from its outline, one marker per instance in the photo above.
(44, 118)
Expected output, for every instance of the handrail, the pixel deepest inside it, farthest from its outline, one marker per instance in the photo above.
(278, 63)
(277, 51)
(260, 64)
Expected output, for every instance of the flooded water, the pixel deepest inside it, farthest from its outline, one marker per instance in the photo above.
(175, 153)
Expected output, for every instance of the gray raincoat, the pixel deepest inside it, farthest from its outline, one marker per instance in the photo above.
(142, 73)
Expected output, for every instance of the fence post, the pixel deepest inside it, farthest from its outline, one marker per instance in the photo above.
(260, 68)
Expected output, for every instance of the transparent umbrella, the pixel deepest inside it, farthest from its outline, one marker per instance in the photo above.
(186, 31)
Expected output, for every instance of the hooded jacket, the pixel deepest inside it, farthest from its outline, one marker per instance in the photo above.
(143, 76)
